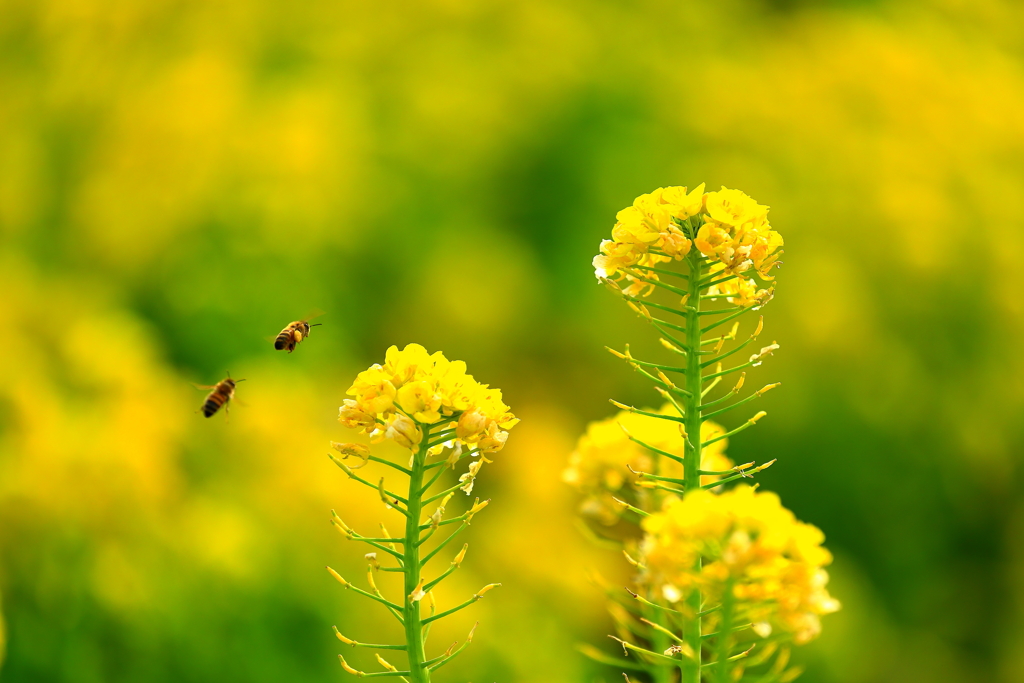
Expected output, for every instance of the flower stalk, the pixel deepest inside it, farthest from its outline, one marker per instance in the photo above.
(690, 668)
(418, 671)
(431, 407)
(724, 574)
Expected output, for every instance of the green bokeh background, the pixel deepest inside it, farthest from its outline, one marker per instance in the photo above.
(179, 179)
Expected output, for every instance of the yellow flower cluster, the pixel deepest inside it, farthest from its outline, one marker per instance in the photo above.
(742, 291)
(747, 543)
(600, 466)
(726, 226)
(415, 389)
(737, 234)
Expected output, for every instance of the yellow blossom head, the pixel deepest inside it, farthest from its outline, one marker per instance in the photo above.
(415, 390)
(747, 542)
(732, 207)
(727, 227)
(605, 463)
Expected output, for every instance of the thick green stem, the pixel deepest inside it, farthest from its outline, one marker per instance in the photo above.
(418, 671)
(690, 669)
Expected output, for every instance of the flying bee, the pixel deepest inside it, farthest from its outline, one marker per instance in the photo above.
(295, 332)
(223, 392)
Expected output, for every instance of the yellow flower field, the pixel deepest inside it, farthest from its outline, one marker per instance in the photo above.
(180, 180)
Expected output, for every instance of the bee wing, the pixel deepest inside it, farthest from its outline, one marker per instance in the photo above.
(271, 337)
(315, 313)
(202, 387)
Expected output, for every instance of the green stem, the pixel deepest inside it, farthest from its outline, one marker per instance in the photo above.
(418, 671)
(445, 542)
(690, 669)
(659, 640)
(724, 633)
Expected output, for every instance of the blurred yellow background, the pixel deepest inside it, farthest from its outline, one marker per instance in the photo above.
(179, 179)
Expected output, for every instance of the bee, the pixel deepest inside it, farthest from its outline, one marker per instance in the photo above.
(223, 392)
(294, 333)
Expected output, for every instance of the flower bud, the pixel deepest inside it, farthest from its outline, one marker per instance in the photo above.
(480, 593)
(477, 507)
(347, 533)
(387, 665)
(404, 432)
(339, 578)
(342, 638)
(618, 354)
(354, 417)
(471, 424)
(335, 519)
(641, 309)
(494, 440)
(349, 669)
(670, 346)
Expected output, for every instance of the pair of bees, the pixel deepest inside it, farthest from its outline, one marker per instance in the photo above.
(224, 390)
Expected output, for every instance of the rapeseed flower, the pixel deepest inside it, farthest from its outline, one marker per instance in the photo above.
(414, 389)
(741, 291)
(431, 406)
(606, 463)
(734, 565)
(742, 542)
(727, 227)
